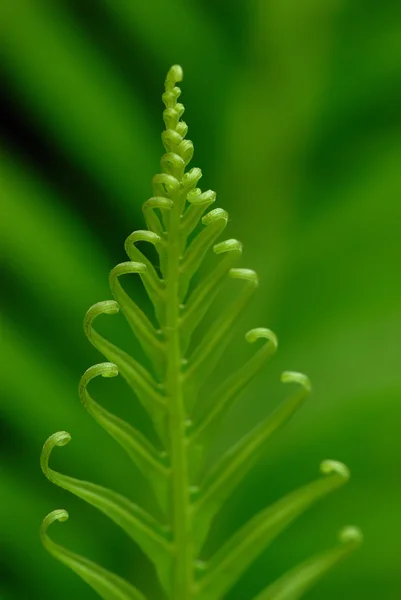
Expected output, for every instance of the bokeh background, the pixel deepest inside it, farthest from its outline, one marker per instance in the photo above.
(294, 110)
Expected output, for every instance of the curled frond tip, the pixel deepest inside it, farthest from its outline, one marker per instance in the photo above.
(350, 534)
(328, 467)
(60, 438)
(245, 274)
(295, 377)
(56, 515)
(174, 75)
(261, 333)
(105, 369)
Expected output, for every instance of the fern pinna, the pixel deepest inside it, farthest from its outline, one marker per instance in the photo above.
(189, 494)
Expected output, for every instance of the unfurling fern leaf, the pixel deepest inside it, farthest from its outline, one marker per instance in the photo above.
(172, 396)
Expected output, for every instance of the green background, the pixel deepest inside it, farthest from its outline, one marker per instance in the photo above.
(294, 110)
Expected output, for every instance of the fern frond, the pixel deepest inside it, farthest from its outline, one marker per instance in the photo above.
(222, 399)
(138, 378)
(108, 585)
(215, 340)
(141, 527)
(198, 202)
(202, 297)
(227, 565)
(294, 584)
(171, 392)
(152, 463)
(215, 221)
(226, 474)
(140, 324)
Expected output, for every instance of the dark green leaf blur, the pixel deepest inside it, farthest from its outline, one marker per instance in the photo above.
(294, 110)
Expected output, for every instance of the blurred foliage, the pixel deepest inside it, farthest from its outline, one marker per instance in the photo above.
(294, 109)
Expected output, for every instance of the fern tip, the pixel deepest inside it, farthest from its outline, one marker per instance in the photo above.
(262, 333)
(56, 515)
(60, 438)
(351, 534)
(105, 369)
(245, 274)
(106, 307)
(214, 215)
(327, 467)
(227, 246)
(175, 75)
(295, 377)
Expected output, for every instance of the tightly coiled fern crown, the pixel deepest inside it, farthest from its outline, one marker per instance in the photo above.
(189, 492)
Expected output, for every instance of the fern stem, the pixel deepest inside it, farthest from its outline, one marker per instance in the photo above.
(180, 500)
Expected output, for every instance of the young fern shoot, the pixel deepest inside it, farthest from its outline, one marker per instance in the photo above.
(189, 493)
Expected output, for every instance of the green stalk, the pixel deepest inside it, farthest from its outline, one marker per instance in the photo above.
(182, 568)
